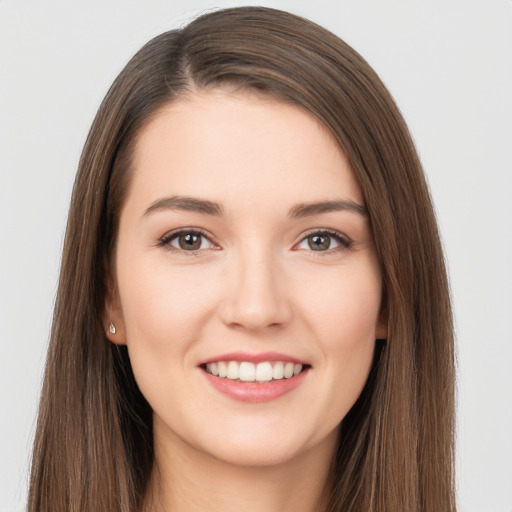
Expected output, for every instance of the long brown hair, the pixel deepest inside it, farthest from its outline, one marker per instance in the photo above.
(93, 449)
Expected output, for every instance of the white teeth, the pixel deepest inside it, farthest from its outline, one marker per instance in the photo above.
(264, 372)
(233, 370)
(288, 370)
(223, 369)
(249, 372)
(278, 371)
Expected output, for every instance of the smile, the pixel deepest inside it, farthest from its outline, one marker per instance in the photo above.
(245, 371)
(255, 378)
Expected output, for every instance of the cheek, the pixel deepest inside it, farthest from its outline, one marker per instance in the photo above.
(344, 314)
(344, 306)
(159, 301)
(164, 309)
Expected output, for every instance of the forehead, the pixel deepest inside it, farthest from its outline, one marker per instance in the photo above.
(239, 148)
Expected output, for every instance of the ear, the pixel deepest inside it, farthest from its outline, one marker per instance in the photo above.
(113, 321)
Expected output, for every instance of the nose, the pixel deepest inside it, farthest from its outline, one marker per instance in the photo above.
(255, 296)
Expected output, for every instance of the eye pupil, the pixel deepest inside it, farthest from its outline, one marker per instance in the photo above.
(190, 241)
(319, 242)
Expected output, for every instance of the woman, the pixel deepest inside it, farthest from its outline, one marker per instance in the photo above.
(253, 309)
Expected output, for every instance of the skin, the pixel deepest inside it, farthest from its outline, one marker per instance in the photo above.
(254, 285)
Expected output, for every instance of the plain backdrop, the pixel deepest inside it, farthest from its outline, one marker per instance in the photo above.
(449, 66)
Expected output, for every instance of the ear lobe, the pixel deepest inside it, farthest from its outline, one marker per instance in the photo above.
(114, 332)
(113, 322)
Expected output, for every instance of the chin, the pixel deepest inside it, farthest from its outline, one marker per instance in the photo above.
(254, 455)
(268, 447)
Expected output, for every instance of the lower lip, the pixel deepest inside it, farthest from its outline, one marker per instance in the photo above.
(255, 392)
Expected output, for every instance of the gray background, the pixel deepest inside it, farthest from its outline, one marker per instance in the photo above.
(449, 66)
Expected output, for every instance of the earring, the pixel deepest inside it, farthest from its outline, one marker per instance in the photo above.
(112, 328)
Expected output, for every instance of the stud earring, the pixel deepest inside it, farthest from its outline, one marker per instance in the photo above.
(112, 328)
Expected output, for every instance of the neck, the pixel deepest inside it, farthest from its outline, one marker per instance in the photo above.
(190, 481)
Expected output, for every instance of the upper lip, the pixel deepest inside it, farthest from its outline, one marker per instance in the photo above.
(253, 358)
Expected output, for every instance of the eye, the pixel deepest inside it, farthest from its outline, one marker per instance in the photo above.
(324, 241)
(187, 240)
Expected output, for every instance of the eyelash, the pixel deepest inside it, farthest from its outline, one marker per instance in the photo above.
(345, 244)
(166, 240)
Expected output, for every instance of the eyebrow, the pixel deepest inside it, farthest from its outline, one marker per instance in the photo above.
(193, 204)
(308, 209)
(183, 203)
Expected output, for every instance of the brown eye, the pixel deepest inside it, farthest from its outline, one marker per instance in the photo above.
(190, 241)
(319, 242)
(186, 241)
(324, 241)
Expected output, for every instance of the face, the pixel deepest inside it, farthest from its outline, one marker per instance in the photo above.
(247, 285)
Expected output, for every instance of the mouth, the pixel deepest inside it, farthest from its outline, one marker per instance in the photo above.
(255, 378)
(262, 372)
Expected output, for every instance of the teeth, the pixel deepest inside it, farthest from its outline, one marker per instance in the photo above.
(288, 370)
(249, 372)
(264, 372)
(278, 371)
(223, 369)
(233, 370)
